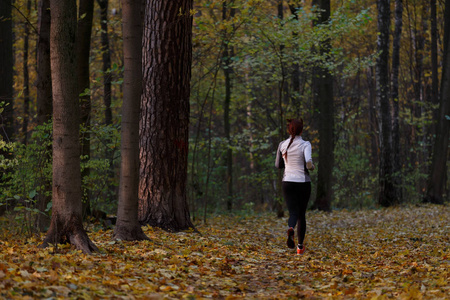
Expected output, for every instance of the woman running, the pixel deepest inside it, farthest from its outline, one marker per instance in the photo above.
(294, 155)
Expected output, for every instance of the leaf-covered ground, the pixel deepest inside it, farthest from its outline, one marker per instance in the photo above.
(376, 254)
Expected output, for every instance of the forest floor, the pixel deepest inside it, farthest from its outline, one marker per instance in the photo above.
(401, 252)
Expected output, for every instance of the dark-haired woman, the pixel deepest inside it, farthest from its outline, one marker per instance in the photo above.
(294, 155)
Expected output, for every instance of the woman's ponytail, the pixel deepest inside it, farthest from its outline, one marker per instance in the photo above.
(295, 127)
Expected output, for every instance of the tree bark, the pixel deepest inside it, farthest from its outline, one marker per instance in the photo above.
(44, 103)
(127, 226)
(86, 12)
(396, 159)
(167, 55)
(278, 203)
(323, 92)
(26, 79)
(107, 91)
(227, 13)
(434, 64)
(438, 172)
(44, 80)
(66, 223)
(6, 72)
(106, 55)
(388, 193)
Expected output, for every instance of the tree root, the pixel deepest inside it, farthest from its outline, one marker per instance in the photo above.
(72, 231)
(130, 234)
(82, 242)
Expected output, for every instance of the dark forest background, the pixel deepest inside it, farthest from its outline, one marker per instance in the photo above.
(366, 76)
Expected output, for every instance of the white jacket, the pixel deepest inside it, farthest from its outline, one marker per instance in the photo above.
(298, 162)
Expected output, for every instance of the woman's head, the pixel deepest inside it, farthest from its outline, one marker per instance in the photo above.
(295, 126)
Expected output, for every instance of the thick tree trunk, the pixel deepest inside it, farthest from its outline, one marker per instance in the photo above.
(165, 114)
(44, 103)
(395, 97)
(86, 9)
(127, 226)
(323, 92)
(6, 71)
(438, 172)
(66, 223)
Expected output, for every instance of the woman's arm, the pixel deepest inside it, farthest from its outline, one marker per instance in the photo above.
(308, 157)
(279, 161)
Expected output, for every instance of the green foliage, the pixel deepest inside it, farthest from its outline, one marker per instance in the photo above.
(25, 170)
(355, 178)
(101, 182)
(266, 51)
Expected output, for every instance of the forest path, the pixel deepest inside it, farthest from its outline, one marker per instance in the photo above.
(396, 252)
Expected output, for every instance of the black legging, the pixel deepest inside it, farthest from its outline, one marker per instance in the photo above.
(297, 195)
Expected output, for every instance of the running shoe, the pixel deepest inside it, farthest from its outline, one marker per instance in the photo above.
(300, 249)
(290, 240)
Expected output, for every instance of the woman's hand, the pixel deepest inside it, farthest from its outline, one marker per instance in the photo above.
(310, 166)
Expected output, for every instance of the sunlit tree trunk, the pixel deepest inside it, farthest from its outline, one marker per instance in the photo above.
(6, 71)
(44, 103)
(167, 54)
(86, 12)
(324, 94)
(438, 172)
(66, 222)
(127, 226)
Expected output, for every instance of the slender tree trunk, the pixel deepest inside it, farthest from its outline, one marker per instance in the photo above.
(434, 65)
(278, 203)
(66, 223)
(6, 71)
(44, 80)
(107, 92)
(388, 194)
(296, 94)
(44, 103)
(127, 226)
(106, 60)
(324, 95)
(86, 12)
(396, 158)
(438, 172)
(164, 126)
(26, 78)
(227, 14)
(373, 117)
